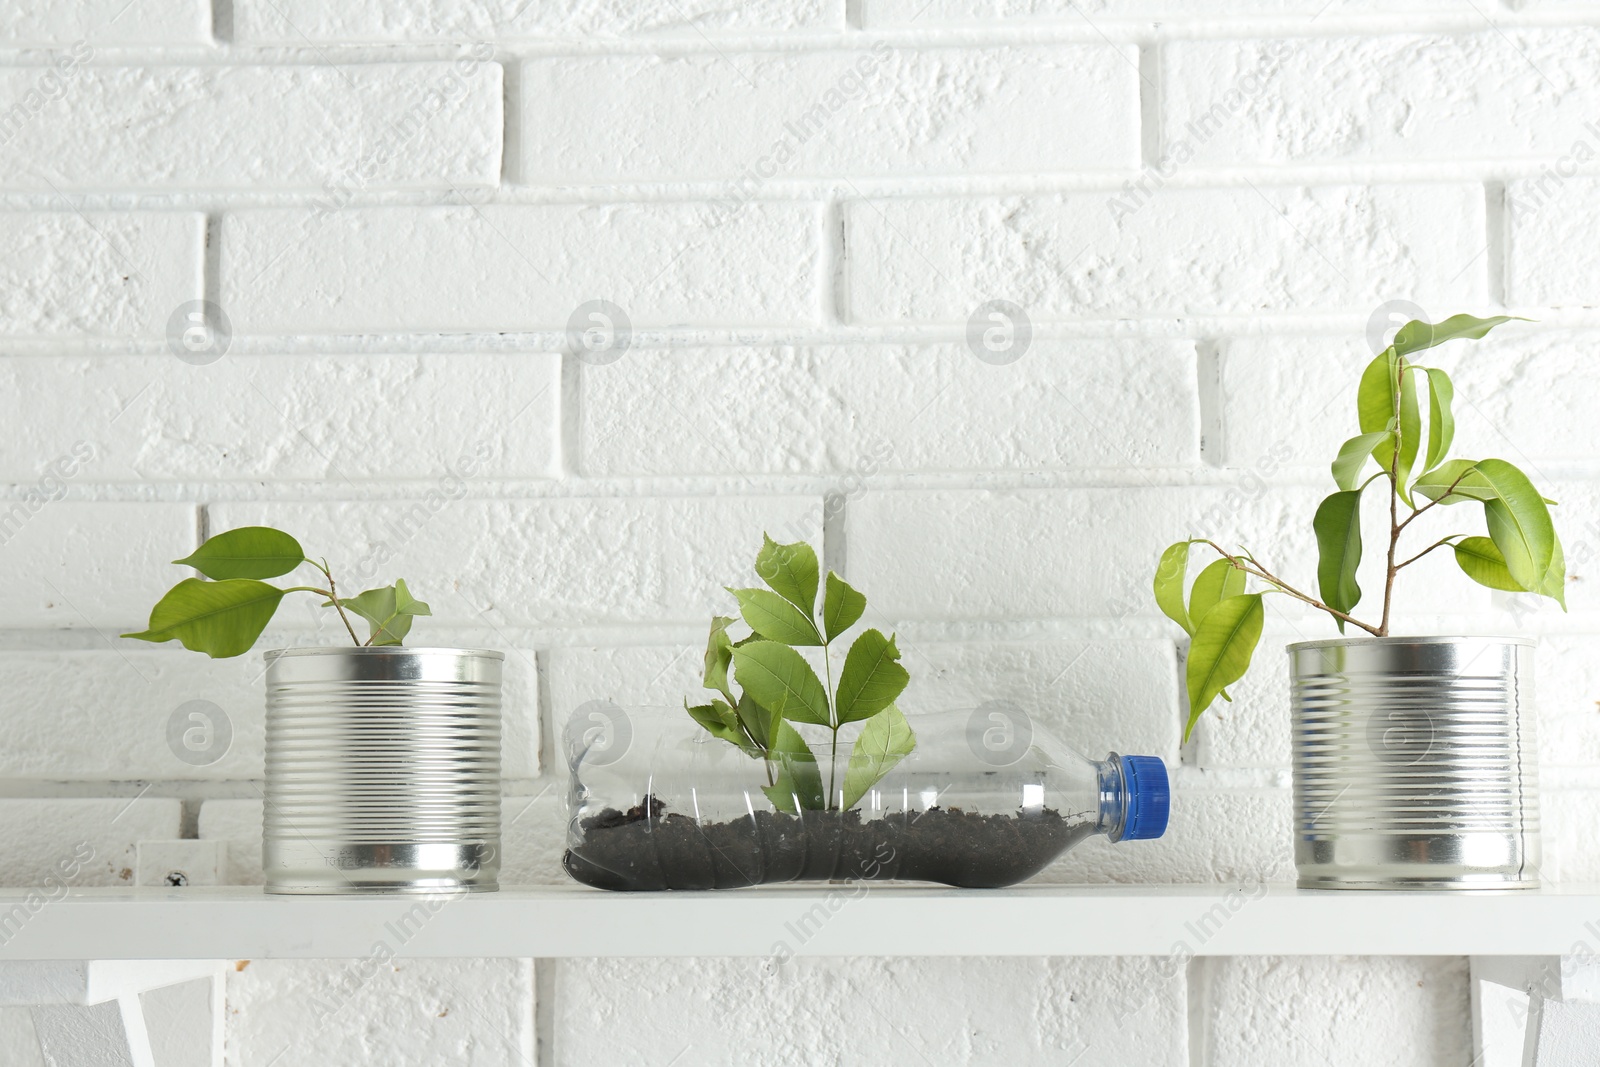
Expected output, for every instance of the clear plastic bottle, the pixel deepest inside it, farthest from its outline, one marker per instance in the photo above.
(984, 799)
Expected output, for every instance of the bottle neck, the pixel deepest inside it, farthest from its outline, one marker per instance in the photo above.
(1113, 797)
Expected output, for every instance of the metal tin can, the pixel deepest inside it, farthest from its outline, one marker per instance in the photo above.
(1415, 763)
(383, 770)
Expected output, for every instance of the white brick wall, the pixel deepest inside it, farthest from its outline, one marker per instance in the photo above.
(434, 125)
(797, 204)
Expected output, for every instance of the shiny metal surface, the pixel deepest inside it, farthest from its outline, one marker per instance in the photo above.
(1415, 763)
(383, 770)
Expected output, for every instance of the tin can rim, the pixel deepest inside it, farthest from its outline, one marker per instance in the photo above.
(383, 650)
(1438, 639)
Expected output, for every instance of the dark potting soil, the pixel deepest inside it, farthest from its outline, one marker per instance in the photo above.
(644, 849)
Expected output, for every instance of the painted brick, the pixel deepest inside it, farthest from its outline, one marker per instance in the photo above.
(294, 21)
(106, 22)
(533, 837)
(446, 419)
(1567, 820)
(1340, 1011)
(378, 1010)
(527, 267)
(59, 728)
(879, 111)
(1567, 689)
(44, 839)
(1544, 266)
(856, 410)
(350, 128)
(237, 824)
(713, 1012)
(655, 676)
(1177, 251)
(79, 565)
(1091, 695)
(924, 14)
(542, 562)
(1519, 392)
(1238, 837)
(107, 274)
(1054, 553)
(1505, 94)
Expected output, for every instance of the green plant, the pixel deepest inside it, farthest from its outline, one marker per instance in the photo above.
(224, 616)
(1521, 552)
(778, 688)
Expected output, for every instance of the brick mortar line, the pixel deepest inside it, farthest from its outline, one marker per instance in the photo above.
(734, 485)
(681, 192)
(1065, 29)
(490, 341)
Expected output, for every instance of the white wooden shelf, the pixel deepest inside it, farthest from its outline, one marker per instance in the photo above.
(827, 920)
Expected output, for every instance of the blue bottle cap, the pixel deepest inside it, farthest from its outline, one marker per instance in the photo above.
(1149, 797)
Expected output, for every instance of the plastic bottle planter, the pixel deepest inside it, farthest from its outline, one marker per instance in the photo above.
(383, 770)
(982, 801)
(1415, 763)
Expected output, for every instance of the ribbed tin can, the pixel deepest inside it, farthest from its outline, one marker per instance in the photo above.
(1415, 763)
(383, 770)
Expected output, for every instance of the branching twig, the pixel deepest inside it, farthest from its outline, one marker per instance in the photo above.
(1282, 586)
(1437, 544)
(333, 597)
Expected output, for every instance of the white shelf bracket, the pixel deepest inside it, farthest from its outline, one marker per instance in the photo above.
(95, 1013)
(1535, 1011)
(111, 1034)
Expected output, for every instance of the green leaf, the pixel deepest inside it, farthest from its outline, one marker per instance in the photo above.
(1554, 584)
(842, 606)
(1337, 525)
(775, 619)
(780, 680)
(798, 783)
(791, 571)
(1170, 575)
(1386, 390)
(719, 720)
(1218, 581)
(221, 619)
(1220, 652)
(388, 611)
(1481, 561)
(1417, 335)
(719, 656)
(1353, 455)
(885, 740)
(872, 677)
(247, 552)
(757, 720)
(1454, 482)
(1441, 421)
(1519, 522)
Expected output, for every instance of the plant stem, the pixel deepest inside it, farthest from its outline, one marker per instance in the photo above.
(1394, 542)
(333, 596)
(1437, 544)
(1252, 567)
(1449, 489)
(833, 716)
(1394, 494)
